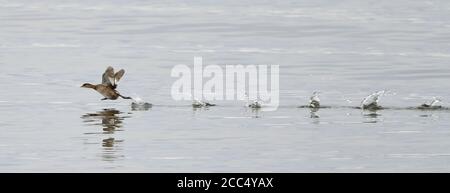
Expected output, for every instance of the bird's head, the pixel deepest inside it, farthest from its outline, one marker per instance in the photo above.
(87, 85)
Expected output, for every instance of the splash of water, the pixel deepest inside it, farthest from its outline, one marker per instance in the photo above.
(256, 104)
(314, 100)
(432, 105)
(435, 101)
(137, 100)
(196, 103)
(139, 104)
(371, 101)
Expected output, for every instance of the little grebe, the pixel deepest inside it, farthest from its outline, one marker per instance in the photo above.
(109, 84)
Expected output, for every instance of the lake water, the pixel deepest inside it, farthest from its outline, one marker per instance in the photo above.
(344, 49)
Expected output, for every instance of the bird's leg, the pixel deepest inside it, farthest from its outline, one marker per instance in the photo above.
(124, 97)
(104, 99)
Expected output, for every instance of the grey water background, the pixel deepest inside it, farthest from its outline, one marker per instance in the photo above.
(344, 49)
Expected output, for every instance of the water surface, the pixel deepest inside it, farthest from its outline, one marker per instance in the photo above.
(345, 49)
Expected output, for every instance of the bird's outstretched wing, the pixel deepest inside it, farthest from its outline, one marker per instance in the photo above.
(119, 75)
(110, 78)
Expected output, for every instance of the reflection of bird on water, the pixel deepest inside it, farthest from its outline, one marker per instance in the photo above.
(111, 149)
(109, 142)
(372, 117)
(109, 84)
(140, 106)
(110, 119)
(313, 113)
(372, 114)
(256, 112)
(371, 101)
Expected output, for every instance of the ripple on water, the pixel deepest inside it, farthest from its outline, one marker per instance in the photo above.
(418, 155)
(172, 158)
(278, 125)
(60, 102)
(243, 117)
(279, 117)
(402, 132)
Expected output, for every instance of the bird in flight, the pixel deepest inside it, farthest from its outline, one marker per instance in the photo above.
(109, 84)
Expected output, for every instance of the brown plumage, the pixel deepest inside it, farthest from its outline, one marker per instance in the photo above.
(109, 84)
